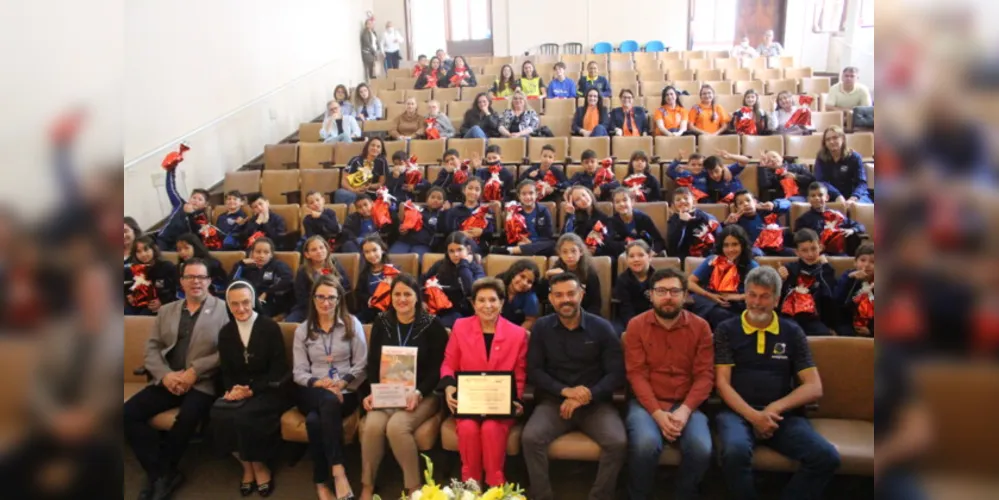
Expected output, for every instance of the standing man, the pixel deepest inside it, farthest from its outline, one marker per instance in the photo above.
(575, 363)
(669, 357)
(182, 359)
(758, 359)
(391, 42)
(848, 94)
(369, 47)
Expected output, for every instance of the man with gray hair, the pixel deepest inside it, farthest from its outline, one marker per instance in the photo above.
(758, 359)
(769, 48)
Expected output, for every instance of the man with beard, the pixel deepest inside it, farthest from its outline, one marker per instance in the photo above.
(757, 359)
(574, 361)
(668, 354)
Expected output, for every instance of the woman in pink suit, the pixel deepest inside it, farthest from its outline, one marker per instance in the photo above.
(485, 342)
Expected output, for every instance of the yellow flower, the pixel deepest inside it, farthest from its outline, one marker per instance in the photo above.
(493, 494)
(432, 493)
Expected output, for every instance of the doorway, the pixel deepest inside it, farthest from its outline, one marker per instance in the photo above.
(463, 27)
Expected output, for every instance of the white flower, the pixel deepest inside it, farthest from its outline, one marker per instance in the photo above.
(416, 495)
(468, 495)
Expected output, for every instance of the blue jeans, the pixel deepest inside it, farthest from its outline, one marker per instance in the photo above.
(343, 196)
(342, 137)
(599, 131)
(476, 132)
(646, 443)
(795, 439)
(401, 247)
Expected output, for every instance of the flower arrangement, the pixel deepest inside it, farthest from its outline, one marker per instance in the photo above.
(460, 490)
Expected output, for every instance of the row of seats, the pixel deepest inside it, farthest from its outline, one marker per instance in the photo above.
(519, 150)
(844, 416)
(696, 59)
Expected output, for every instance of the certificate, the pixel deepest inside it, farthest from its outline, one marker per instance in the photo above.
(389, 395)
(398, 366)
(485, 394)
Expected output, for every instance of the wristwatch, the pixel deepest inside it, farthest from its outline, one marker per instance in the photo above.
(418, 393)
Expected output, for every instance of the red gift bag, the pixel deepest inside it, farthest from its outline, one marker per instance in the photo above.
(493, 190)
(457, 78)
(724, 276)
(434, 297)
(413, 218)
(142, 291)
(833, 237)
(597, 240)
(478, 220)
(805, 100)
(413, 173)
(381, 209)
(789, 184)
(432, 80)
(865, 305)
(800, 300)
(253, 238)
(515, 226)
(705, 239)
(605, 174)
(173, 158)
(461, 175)
(431, 129)
(772, 235)
(546, 185)
(746, 124)
(211, 236)
(687, 181)
(381, 299)
(635, 183)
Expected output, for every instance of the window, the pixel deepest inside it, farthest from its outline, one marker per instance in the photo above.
(867, 14)
(713, 24)
(469, 20)
(830, 16)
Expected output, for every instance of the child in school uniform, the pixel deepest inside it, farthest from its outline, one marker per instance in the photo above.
(456, 273)
(691, 176)
(854, 296)
(376, 258)
(319, 220)
(722, 186)
(190, 246)
(472, 218)
(588, 177)
(397, 180)
(427, 239)
(690, 231)
(271, 279)
(718, 285)
(230, 222)
(521, 306)
(574, 257)
(317, 260)
(550, 179)
(807, 296)
(629, 224)
(840, 235)
(154, 279)
(538, 225)
(783, 180)
(496, 180)
(762, 223)
(585, 220)
(645, 186)
(451, 178)
(631, 291)
(358, 225)
(263, 223)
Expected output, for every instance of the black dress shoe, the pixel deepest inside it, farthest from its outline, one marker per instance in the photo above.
(266, 489)
(166, 485)
(247, 489)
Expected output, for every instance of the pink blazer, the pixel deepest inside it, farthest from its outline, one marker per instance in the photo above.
(466, 350)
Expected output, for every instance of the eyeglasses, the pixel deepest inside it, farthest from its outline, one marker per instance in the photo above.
(662, 292)
(193, 277)
(326, 298)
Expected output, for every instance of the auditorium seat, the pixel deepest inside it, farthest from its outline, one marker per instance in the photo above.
(392, 97)
(408, 263)
(600, 145)
(605, 272)
(315, 156)
(427, 152)
(561, 145)
(137, 332)
(777, 86)
(245, 181)
(465, 147)
(768, 74)
(798, 209)
(324, 181)
(309, 132)
(797, 73)
(656, 263)
(344, 151)
(722, 87)
(560, 107)
(667, 149)
(292, 259)
(623, 147)
(719, 210)
(421, 95)
(754, 146)
(496, 264)
(863, 143)
(803, 147)
(281, 186)
(709, 145)
(822, 120)
(815, 85)
(753, 63)
(445, 96)
(392, 146)
(369, 126)
(725, 63)
(561, 127)
(351, 263)
(513, 150)
(741, 86)
(428, 261)
(699, 64)
(229, 259)
(739, 75)
(690, 86)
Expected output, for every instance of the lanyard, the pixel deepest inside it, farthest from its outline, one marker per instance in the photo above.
(398, 332)
(328, 349)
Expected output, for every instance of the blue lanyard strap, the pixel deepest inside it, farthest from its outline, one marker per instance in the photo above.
(328, 349)
(398, 332)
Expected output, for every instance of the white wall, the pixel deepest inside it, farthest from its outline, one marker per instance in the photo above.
(391, 10)
(523, 25)
(826, 51)
(229, 76)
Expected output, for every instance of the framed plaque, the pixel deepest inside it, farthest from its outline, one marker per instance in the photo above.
(485, 394)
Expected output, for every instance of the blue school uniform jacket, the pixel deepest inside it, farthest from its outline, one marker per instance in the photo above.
(274, 279)
(754, 224)
(680, 234)
(812, 219)
(632, 295)
(505, 176)
(822, 290)
(641, 228)
(846, 177)
(770, 187)
(718, 190)
(458, 213)
(457, 283)
(395, 186)
(540, 224)
(586, 180)
(846, 289)
(326, 225)
(453, 190)
(274, 228)
(433, 225)
(561, 182)
(227, 222)
(700, 180)
(600, 83)
(652, 189)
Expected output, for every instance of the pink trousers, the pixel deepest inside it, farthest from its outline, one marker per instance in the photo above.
(482, 445)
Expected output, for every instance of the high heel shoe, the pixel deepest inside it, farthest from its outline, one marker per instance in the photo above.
(266, 489)
(350, 492)
(247, 489)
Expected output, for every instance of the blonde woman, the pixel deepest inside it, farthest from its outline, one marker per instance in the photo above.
(409, 123)
(520, 120)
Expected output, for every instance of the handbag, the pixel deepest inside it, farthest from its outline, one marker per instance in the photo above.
(863, 117)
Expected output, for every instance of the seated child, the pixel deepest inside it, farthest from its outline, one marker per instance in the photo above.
(317, 260)
(496, 180)
(522, 306)
(585, 220)
(719, 283)
(451, 178)
(631, 291)
(550, 179)
(455, 273)
(474, 219)
(537, 228)
(318, 220)
(357, 225)
(722, 186)
(262, 224)
(690, 231)
(187, 216)
(691, 176)
(762, 219)
(229, 223)
(640, 179)
(425, 240)
(574, 257)
(376, 259)
(399, 182)
(839, 234)
(628, 224)
(190, 246)
(807, 296)
(780, 180)
(421, 63)
(588, 178)
(855, 296)
(153, 279)
(271, 279)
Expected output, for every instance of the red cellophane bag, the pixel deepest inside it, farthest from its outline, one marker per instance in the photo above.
(381, 299)
(493, 190)
(173, 158)
(746, 125)
(413, 173)
(833, 237)
(596, 241)
(211, 236)
(477, 220)
(515, 226)
(434, 297)
(432, 80)
(461, 175)
(458, 77)
(413, 218)
(800, 300)
(253, 238)
(705, 241)
(381, 209)
(724, 276)
(635, 183)
(417, 71)
(142, 291)
(789, 184)
(805, 100)
(865, 305)
(605, 174)
(801, 117)
(772, 235)
(687, 181)
(546, 185)
(431, 130)
(728, 198)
